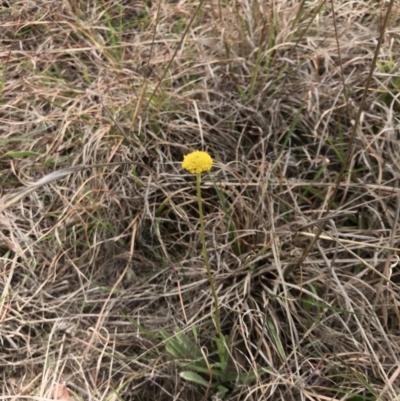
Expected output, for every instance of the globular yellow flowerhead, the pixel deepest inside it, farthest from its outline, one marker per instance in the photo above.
(197, 162)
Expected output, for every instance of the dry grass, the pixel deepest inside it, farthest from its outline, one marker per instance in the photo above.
(97, 263)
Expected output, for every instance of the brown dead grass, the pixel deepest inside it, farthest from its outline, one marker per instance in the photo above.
(91, 262)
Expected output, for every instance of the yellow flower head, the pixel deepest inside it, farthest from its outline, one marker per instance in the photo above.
(197, 162)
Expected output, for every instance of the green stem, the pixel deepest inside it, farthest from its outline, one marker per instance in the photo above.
(205, 256)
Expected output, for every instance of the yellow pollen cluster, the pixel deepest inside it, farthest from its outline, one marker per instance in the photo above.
(197, 162)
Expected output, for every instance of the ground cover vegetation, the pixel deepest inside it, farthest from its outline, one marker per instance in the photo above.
(105, 292)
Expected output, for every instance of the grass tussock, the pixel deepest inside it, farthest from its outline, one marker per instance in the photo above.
(103, 288)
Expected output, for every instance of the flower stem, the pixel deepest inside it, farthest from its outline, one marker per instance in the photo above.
(205, 256)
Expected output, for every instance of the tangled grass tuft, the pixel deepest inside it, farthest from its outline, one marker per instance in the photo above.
(103, 289)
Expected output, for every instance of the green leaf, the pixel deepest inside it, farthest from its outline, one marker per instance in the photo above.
(141, 328)
(194, 378)
(164, 334)
(199, 367)
(276, 339)
(194, 331)
(222, 391)
(245, 377)
(16, 139)
(364, 381)
(21, 153)
(222, 346)
(180, 346)
(191, 349)
(175, 349)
